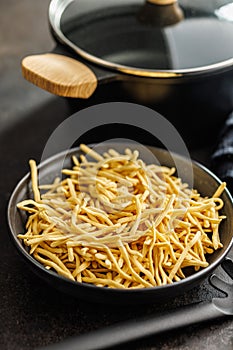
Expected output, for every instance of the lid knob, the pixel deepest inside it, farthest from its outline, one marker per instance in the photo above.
(161, 13)
(162, 2)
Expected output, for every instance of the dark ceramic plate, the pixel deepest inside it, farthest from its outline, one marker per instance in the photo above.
(203, 180)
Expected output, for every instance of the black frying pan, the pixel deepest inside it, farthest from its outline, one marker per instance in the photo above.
(180, 65)
(204, 181)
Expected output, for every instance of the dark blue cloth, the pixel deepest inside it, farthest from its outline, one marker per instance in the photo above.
(222, 158)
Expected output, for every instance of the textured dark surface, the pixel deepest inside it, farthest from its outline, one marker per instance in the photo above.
(32, 313)
(222, 158)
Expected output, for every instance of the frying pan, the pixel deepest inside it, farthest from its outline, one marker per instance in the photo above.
(175, 57)
(206, 183)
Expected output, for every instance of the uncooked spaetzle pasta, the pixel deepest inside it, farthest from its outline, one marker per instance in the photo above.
(116, 222)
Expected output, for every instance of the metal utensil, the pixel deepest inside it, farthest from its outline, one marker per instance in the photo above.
(140, 328)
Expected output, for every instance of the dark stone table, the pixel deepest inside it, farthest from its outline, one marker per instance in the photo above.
(32, 313)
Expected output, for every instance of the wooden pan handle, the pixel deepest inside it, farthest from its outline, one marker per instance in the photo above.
(60, 75)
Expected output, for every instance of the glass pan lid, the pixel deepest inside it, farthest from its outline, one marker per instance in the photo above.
(125, 35)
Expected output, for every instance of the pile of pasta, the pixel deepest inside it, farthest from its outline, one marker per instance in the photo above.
(114, 221)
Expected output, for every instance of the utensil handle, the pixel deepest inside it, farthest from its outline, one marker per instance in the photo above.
(60, 75)
(132, 330)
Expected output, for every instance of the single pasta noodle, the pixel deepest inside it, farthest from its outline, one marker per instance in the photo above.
(116, 222)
